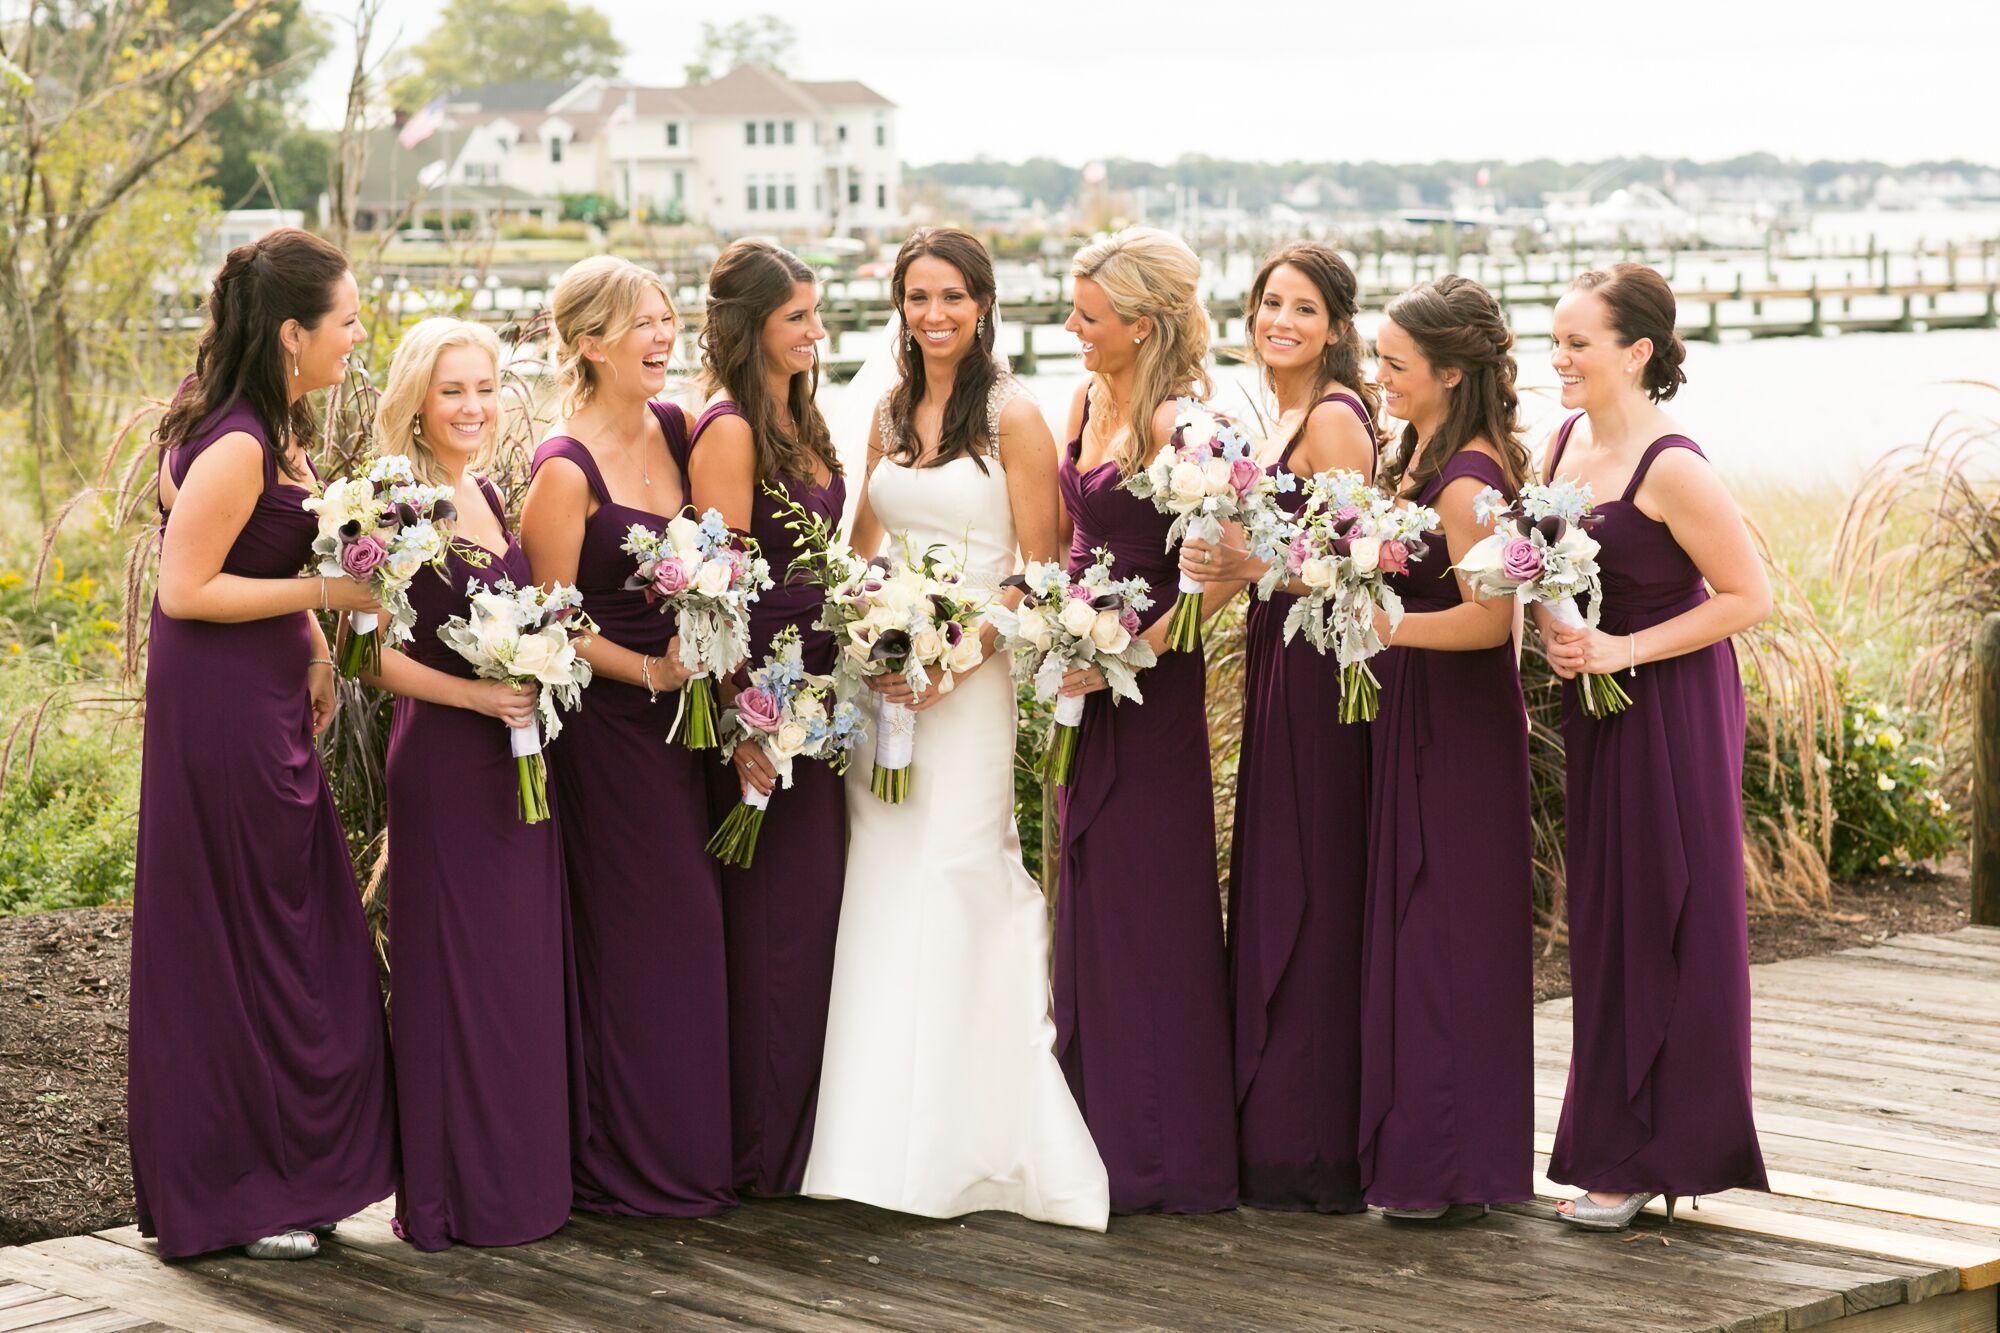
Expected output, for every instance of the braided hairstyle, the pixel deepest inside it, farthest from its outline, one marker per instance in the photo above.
(1457, 325)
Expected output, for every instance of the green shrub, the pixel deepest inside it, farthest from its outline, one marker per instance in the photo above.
(71, 825)
(1889, 814)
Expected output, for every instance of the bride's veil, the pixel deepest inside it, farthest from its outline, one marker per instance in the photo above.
(850, 419)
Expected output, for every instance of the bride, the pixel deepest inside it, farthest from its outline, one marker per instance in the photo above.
(940, 1093)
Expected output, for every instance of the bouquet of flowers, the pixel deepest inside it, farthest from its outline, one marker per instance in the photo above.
(1069, 621)
(1208, 472)
(1349, 538)
(1540, 550)
(707, 576)
(789, 714)
(379, 528)
(526, 637)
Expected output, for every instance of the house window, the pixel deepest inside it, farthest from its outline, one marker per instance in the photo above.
(555, 149)
(788, 131)
(771, 197)
(673, 134)
(881, 136)
(840, 133)
(753, 196)
(680, 185)
(881, 196)
(770, 131)
(819, 197)
(854, 192)
(791, 197)
(750, 133)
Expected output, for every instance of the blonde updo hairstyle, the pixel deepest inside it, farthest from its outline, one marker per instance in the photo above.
(596, 298)
(400, 410)
(1148, 272)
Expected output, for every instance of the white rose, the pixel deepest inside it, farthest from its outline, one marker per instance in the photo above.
(1109, 636)
(532, 654)
(403, 566)
(807, 707)
(1316, 573)
(1484, 557)
(713, 580)
(789, 739)
(1577, 544)
(927, 645)
(1197, 426)
(1215, 475)
(1186, 484)
(1034, 627)
(965, 656)
(1366, 552)
(684, 537)
(1077, 617)
(561, 666)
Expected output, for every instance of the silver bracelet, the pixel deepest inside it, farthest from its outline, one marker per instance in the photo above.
(1632, 666)
(319, 661)
(646, 675)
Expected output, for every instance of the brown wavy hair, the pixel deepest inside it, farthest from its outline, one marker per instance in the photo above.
(750, 280)
(965, 411)
(1457, 325)
(1642, 306)
(285, 274)
(1340, 292)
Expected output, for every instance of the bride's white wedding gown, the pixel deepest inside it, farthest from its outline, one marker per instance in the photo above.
(940, 1093)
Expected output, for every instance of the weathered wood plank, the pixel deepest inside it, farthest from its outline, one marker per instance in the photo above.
(45, 1309)
(87, 1267)
(1964, 1312)
(102, 1321)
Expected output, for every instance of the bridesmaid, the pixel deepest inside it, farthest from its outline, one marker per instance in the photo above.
(478, 942)
(1297, 876)
(1447, 1079)
(1659, 1084)
(761, 427)
(645, 902)
(1141, 986)
(259, 1100)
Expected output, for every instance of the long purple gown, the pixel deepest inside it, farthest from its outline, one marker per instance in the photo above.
(481, 1000)
(1447, 990)
(1297, 882)
(781, 913)
(1659, 1081)
(1141, 983)
(259, 1095)
(645, 901)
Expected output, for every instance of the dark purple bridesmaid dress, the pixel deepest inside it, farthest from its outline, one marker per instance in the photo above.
(1141, 984)
(1297, 882)
(1659, 1080)
(481, 1002)
(645, 901)
(259, 1093)
(782, 912)
(1447, 990)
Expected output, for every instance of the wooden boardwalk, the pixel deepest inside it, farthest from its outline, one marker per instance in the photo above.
(1878, 1080)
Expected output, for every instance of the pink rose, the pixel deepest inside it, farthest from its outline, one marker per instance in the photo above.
(1346, 514)
(1079, 593)
(1300, 552)
(758, 708)
(1520, 561)
(669, 577)
(360, 557)
(1394, 557)
(1129, 619)
(1243, 475)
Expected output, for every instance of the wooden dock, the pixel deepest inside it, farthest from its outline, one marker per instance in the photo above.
(1878, 1081)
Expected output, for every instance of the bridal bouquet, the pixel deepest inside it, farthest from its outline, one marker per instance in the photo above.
(1208, 472)
(1349, 538)
(526, 638)
(1540, 550)
(379, 528)
(790, 714)
(707, 576)
(1067, 621)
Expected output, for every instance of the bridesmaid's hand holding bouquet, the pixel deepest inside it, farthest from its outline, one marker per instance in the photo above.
(1065, 623)
(1349, 538)
(1541, 552)
(379, 529)
(789, 714)
(707, 576)
(526, 638)
(1208, 473)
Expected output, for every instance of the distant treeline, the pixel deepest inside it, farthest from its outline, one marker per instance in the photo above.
(1385, 185)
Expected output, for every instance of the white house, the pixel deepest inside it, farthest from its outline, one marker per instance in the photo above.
(751, 152)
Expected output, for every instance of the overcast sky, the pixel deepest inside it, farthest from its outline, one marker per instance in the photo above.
(1391, 80)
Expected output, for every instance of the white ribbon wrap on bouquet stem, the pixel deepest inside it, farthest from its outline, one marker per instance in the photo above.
(1190, 585)
(895, 734)
(1566, 612)
(1069, 709)
(756, 800)
(363, 622)
(526, 740)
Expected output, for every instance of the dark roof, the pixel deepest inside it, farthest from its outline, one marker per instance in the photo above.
(389, 178)
(523, 95)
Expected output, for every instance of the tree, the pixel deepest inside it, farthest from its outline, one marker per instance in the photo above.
(481, 42)
(764, 40)
(264, 156)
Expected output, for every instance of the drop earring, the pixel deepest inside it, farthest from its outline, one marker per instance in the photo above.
(979, 327)
(295, 366)
(417, 427)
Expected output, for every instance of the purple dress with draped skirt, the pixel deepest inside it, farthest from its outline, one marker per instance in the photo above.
(259, 1095)
(1447, 991)
(1141, 984)
(1659, 1080)
(482, 1002)
(781, 913)
(1297, 881)
(645, 904)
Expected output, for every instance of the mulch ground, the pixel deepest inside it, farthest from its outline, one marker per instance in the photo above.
(63, 1164)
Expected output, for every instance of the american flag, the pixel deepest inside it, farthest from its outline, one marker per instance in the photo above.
(423, 125)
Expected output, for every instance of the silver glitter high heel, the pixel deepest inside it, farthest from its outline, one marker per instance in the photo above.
(293, 1244)
(1451, 1212)
(1588, 1215)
